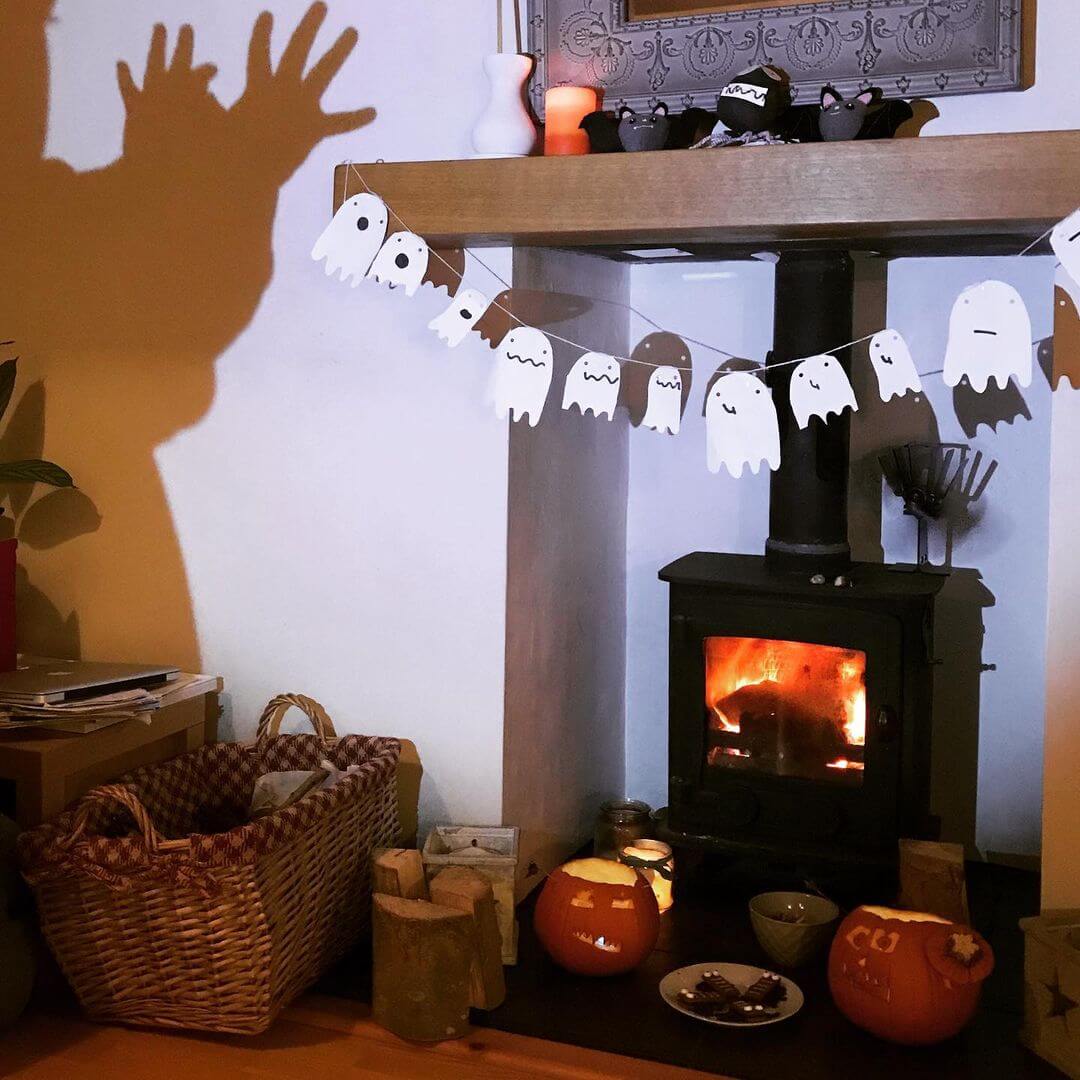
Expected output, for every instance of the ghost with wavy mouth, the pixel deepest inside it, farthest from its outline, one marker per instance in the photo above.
(351, 241)
(819, 386)
(989, 337)
(460, 317)
(663, 412)
(523, 374)
(893, 366)
(593, 385)
(741, 427)
(1065, 240)
(401, 263)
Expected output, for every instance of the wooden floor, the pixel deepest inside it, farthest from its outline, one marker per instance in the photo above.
(318, 1037)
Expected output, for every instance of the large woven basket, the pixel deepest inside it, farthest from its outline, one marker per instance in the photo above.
(173, 923)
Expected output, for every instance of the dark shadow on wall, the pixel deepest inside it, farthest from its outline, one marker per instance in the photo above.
(122, 287)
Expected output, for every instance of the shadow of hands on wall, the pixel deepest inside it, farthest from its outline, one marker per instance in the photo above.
(123, 285)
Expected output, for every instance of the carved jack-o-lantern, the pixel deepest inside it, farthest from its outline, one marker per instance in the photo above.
(905, 976)
(597, 917)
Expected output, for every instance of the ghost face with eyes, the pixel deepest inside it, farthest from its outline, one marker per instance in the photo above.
(352, 240)
(892, 363)
(819, 387)
(460, 317)
(1065, 240)
(989, 337)
(663, 412)
(741, 427)
(593, 384)
(523, 373)
(402, 263)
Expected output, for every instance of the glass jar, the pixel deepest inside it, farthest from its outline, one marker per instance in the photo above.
(619, 823)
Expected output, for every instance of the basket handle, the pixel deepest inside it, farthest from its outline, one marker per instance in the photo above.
(270, 721)
(127, 798)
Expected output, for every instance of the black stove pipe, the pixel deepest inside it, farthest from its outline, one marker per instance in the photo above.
(808, 509)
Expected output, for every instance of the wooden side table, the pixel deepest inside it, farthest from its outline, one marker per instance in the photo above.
(51, 770)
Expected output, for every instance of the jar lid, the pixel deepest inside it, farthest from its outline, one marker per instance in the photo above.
(624, 810)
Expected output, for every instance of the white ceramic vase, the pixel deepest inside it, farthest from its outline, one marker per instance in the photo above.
(505, 129)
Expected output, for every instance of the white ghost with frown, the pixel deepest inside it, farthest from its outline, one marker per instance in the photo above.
(593, 384)
(741, 427)
(402, 263)
(820, 386)
(353, 238)
(893, 365)
(460, 317)
(663, 410)
(1065, 240)
(989, 337)
(522, 375)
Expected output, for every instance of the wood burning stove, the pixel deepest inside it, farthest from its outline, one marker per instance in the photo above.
(800, 713)
(800, 692)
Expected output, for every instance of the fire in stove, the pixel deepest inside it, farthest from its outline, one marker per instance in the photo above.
(786, 707)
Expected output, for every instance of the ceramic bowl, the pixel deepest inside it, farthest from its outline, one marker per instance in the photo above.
(793, 927)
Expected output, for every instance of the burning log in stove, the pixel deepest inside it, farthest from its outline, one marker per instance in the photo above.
(765, 726)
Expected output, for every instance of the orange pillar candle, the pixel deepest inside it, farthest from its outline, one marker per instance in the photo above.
(564, 109)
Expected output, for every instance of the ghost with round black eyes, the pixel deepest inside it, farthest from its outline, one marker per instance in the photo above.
(402, 263)
(663, 411)
(989, 337)
(1065, 240)
(892, 363)
(741, 427)
(351, 241)
(523, 372)
(593, 384)
(819, 386)
(460, 317)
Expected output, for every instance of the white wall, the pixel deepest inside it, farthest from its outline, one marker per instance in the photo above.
(342, 505)
(675, 504)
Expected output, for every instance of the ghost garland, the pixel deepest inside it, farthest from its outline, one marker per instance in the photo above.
(989, 341)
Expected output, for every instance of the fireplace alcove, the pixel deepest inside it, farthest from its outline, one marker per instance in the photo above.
(571, 222)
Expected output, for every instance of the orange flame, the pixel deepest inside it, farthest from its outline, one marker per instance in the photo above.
(828, 680)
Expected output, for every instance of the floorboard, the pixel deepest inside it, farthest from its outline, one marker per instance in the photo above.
(316, 1037)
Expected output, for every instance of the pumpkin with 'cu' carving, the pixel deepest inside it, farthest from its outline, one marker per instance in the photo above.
(906, 976)
(597, 917)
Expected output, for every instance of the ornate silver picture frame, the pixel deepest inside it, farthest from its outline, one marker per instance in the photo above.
(910, 48)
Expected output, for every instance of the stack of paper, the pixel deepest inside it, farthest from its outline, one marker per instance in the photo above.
(87, 714)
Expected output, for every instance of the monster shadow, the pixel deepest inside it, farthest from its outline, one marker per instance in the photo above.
(123, 285)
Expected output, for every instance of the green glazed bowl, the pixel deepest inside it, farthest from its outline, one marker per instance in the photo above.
(792, 927)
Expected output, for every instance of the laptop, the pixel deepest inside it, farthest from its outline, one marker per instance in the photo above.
(40, 681)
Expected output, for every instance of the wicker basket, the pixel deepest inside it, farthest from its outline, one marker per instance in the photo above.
(180, 924)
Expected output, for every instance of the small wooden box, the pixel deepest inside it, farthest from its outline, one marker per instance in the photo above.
(491, 850)
(1052, 989)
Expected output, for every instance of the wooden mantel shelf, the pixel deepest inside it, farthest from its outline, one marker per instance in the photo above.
(955, 194)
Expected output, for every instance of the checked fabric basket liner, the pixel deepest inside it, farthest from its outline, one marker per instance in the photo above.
(156, 918)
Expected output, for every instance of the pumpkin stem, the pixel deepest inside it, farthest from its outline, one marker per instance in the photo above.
(964, 949)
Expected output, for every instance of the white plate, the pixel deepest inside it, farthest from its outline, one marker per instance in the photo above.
(741, 975)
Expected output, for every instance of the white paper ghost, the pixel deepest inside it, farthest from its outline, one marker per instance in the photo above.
(352, 240)
(402, 262)
(1065, 240)
(593, 383)
(892, 363)
(523, 374)
(460, 317)
(663, 411)
(741, 427)
(820, 386)
(989, 337)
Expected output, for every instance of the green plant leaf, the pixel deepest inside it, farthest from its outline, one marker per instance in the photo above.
(7, 383)
(35, 472)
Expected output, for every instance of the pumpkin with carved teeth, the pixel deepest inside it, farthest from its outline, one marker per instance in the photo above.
(597, 917)
(907, 976)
